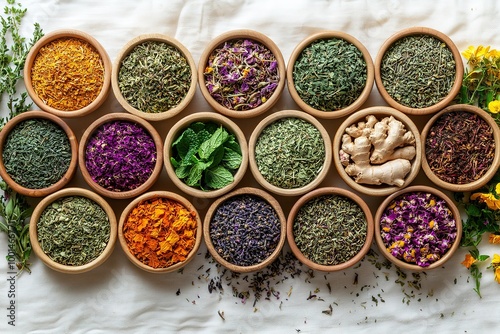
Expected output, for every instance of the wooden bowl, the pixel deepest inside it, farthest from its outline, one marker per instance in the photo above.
(345, 110)
(491, 170)
(205, 117)
(406, 265)
(213, 209)
(67, 33)
(256, 37)
(329, 191)
(38, 211)
(413, 110)
(379, 112)
(74, 153)
(89, 132)
(125, 51)
(166, 195)
(253, 163)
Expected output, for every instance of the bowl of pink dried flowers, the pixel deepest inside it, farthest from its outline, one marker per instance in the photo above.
(418, 228)
(242, 73)
(121, 155)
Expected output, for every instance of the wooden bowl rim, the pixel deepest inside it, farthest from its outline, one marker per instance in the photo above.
(128, 118)
(365, 94)
(69, 33)
(330, 191)
(494, 165)
(458, 66)
(127, 48)
(245, 191)
(73, 191)
(167, 195)
(37, 114)
(377, 190)
(255, 136)
(418, 188)
(258, 37)
(231, 127)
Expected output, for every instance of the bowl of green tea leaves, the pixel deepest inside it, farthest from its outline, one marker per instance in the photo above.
(206, 154)
(419, 71)
(73, 230)
(154, 77)
(38, 153)
(330, 74)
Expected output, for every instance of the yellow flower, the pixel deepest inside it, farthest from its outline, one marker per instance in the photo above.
(494, 106)
(473, 53)
(497, 188)
(497, 275)
(494, 239)
(491, 201)
(495, 262)
(469, 261)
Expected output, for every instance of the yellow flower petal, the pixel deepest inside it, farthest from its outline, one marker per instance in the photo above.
(494, 106)
(469, 261)
(497, 275)
(496, 260)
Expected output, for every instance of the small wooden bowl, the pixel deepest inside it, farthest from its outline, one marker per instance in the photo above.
(213, 208)
(322, 192)
(87, 135)
(379, 112)
(403, 264)
(167, 195)
(68, 33)
(458, 76)
(494, 165)
(125, 52)
(74, 154)
(205, 117)
(253, 164)
(325, 35)
(234, 35)
(37, 249)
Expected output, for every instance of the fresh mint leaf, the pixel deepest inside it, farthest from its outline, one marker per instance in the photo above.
(218, 177)
(182, 171)
(231, 159)
(217, 156)
(232, 144)
(197, 126)
(209, 146)
(203, 136)
(186, 144)
(194, 176)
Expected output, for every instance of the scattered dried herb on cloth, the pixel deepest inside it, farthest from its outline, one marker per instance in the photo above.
(418, 228)
(67, 74)
(154, 77)
(241, 74)
(73, 230)
(245, 230)
(120, 155)
(160, 232)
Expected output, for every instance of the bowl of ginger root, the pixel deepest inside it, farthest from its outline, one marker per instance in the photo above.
(377, 151)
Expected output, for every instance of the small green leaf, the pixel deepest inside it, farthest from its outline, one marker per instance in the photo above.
(216, 140)
(186, 144)
(231, 159)
(182, 171)
(217, 156)
(194, 175)
(218, 177)
(197, 126)
(232, 144)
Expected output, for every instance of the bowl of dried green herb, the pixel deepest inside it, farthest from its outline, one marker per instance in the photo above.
(418, 228)
(73, 230)
(330, 229)
(38, 153)
(241, 73)
(154, 77)
(377, 151)
(206, 154)
(68, 73)
(461, 148)
(160, 231)
(419, 71)
(290, 152)
(330, 74)
(245, 230)
(120, 155)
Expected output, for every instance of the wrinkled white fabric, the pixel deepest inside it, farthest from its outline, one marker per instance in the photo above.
(118, 297)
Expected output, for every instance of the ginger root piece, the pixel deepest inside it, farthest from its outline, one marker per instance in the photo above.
(380, 153)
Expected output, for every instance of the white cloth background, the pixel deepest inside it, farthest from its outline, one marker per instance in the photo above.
(119, 297)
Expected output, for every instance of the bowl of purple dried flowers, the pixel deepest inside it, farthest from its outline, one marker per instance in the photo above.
(121, 155)
(418, 228)
(242, 73)
(245, 230)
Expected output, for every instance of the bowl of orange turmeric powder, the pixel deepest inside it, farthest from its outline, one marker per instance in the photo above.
(160, 231)
(68, 73)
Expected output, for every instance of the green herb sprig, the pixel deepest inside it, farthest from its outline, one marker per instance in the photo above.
(14, 209)
(206, 156)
